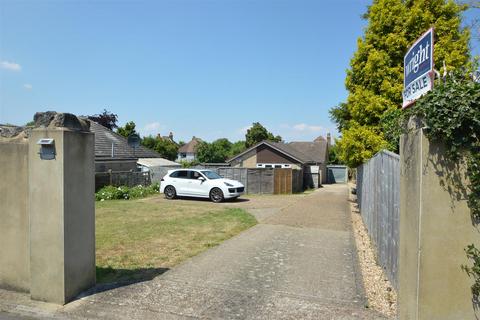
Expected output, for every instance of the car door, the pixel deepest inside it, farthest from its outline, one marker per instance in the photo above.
(196, 186)
(179, 181)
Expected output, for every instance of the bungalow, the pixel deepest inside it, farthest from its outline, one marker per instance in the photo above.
(311, 157)
(188, 152)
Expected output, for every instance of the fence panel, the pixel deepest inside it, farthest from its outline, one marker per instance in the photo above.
(122, 178)
(239, 174)
(297, 183)
(378, 197)
(282, 181)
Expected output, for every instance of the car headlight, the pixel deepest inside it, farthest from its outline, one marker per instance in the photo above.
(228, 184)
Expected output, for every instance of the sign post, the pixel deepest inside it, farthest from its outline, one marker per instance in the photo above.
(418, 69)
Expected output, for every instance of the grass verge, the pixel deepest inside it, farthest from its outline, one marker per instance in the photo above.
(139, 239)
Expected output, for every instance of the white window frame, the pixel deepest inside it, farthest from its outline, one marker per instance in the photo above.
(283, 165)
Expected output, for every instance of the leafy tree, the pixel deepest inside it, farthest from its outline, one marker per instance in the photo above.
(149, 142)
(341, 116)
(375, 77)
(333, 157)
(237, 147)
(215, 152)
(166, 148)
(106, 119)
(359, 143)
(258, 133)
(127, 130)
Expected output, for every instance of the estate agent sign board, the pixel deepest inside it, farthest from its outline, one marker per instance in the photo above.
(418, 69)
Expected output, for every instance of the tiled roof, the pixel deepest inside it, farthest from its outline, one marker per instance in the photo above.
(289, 150)
(157, 162)
(314, 151)
(304, 152)
(104, 138)
(191, 146)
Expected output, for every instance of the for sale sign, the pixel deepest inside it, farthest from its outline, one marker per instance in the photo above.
(418, 69)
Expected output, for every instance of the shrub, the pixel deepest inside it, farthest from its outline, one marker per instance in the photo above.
(125, 193)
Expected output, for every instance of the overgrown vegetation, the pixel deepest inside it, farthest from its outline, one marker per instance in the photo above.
(126, 193)
(451, 115)
(368, 119)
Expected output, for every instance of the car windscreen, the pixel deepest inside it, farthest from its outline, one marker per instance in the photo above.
(211, 175)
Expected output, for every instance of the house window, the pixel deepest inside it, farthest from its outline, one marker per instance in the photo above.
(183, 155)
(273, 165)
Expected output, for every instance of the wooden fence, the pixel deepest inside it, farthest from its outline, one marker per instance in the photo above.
(287, 181)
(378, 196)
(265, 181)
(121, 178)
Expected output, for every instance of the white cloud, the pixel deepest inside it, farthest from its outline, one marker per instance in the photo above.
(152, 128)
(307, 128)
(12, 66)
(28, 86)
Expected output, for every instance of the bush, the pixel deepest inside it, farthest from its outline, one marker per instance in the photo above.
(125, 193)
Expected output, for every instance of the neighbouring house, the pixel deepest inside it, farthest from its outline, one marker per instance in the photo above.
(168, 138)
(311, 157)
(188, 152)
(112, 151)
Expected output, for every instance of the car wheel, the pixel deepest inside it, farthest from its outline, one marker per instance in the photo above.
(170, 192)
(216, 195)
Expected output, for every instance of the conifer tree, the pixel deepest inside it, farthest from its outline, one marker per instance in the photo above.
(375, 78)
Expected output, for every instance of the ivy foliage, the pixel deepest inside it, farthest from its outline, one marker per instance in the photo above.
(451, 114)
(375, 78)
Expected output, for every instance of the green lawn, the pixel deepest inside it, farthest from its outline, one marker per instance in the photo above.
(138, 239)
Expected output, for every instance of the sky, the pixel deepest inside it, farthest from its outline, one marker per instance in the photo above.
(192, 67)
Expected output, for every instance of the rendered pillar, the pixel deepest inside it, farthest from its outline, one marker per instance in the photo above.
(435, 227)
(14, 225)
(62, 214)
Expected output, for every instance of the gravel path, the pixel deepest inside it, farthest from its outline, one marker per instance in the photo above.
(299, 263)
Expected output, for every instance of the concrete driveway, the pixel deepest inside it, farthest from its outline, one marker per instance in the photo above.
(299, 262)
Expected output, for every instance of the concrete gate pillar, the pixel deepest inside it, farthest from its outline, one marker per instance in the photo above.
(62, 213)
(435, 227)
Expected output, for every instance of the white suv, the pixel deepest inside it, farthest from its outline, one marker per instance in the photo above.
(199, 183)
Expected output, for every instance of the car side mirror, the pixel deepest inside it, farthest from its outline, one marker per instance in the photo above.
(201, 179)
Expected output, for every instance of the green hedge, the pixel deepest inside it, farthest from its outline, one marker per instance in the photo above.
(125, 193)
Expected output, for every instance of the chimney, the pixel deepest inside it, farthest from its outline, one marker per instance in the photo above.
(329, 139)
(170, 135)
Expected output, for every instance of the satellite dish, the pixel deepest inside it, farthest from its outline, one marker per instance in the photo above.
(133, 140)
